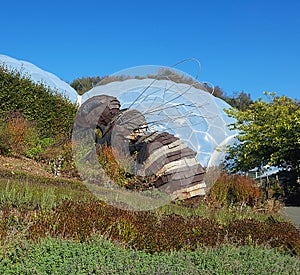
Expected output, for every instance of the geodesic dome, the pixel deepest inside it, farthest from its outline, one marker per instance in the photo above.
(166, 131)
(38, 75)
(189, 113)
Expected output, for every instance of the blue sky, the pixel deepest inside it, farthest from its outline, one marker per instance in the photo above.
(252, 46)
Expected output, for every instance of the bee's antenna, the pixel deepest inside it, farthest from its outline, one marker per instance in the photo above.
(212, 85)
(190, 59)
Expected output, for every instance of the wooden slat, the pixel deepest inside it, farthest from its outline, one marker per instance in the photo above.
(90, 114)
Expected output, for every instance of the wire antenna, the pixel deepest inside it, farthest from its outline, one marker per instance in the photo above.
(198, 64)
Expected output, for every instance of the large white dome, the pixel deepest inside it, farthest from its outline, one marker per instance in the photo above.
(38, 75)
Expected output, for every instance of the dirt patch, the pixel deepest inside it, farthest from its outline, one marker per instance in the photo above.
(23, 164)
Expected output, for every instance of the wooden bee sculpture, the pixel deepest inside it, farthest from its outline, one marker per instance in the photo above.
(160, 156)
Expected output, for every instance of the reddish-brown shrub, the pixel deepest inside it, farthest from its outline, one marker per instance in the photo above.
(147, 230)
(235, 189)
(20, 134)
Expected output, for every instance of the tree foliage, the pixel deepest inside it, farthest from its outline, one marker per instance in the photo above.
(269, 134)
(241, 101)
(82, 85)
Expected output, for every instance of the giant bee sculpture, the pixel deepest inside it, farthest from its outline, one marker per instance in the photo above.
(159, 156)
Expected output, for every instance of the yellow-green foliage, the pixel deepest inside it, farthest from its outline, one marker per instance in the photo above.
(269, 132)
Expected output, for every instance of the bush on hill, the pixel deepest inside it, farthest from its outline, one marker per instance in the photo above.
(52, 113)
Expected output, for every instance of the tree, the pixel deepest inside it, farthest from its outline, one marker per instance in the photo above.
(82, 85)
(241, 101)
(269, 134)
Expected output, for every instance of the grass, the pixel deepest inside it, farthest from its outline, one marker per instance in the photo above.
(222, 215)
(24, 190)
(129, 199)
(99, 256)
(40, 180)
(25, 194)
(48, 226)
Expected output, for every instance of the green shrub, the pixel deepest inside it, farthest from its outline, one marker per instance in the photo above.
(99, 256)
(5, 139)
(40, 146)
(52, 113)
